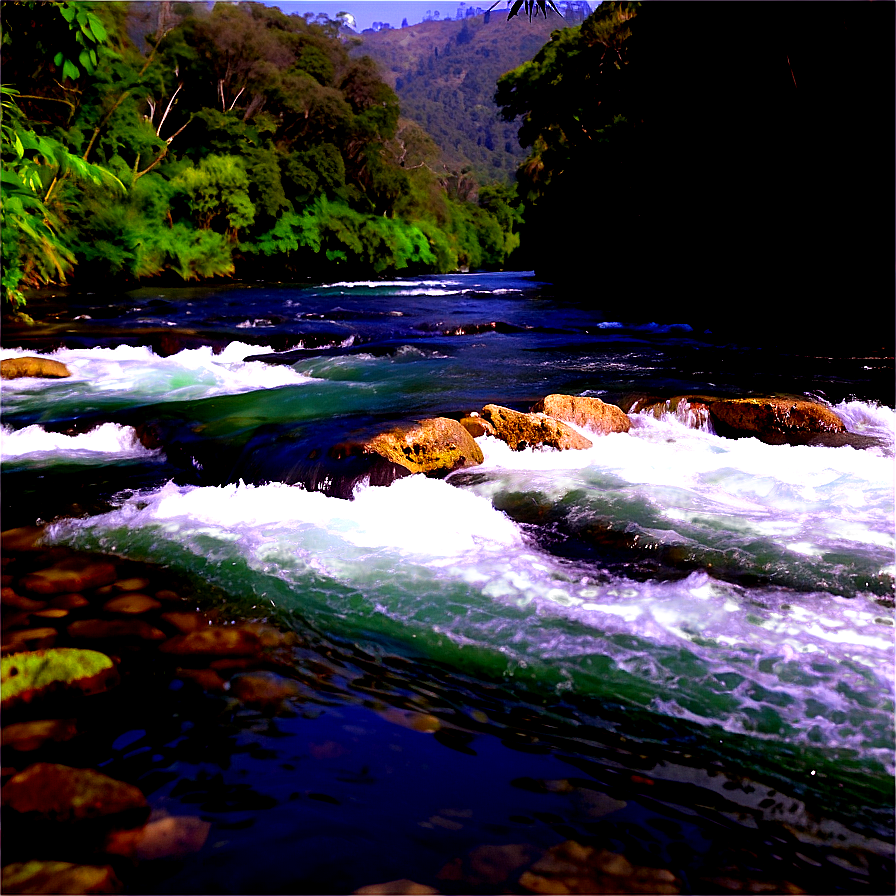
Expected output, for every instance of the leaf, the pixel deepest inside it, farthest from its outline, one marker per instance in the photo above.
(99, 30)
(84, 59)
(68, 12)
(57, 59)
(70, 70)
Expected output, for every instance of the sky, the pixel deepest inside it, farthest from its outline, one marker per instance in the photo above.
(366, 12)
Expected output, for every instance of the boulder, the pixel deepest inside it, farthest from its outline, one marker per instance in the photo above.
(61, 793)
(13, 368)
(775, 421)
(522, 431)
(435, 446)
(590, 413)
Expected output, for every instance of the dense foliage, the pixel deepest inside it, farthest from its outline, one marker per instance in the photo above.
(713, 159)
(232, 141)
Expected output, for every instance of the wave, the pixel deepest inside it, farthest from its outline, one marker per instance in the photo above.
(109, 440)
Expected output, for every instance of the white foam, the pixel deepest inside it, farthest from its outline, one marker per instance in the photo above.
(109, 439)
(453, 523)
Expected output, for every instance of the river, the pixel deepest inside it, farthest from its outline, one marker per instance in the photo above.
(673, 644)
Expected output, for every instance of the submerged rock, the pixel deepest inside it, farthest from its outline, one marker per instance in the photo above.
(71, 574)
(28, 676)
(591, 413)
(61, 793)
(46, 368)
(58, 878)
(522, 431)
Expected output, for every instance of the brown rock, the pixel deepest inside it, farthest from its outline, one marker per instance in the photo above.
(207, 679)
(403, 887)
(25, 538)
(29, 639)
(51, 613)
(9, 598)
(71, 574)
(13, 368)
(522, 431)
(61, 793)
(477, 426)
(263, 690)
(590, 413)
(69, 601)
(99, 629)
(775, 421)
(214, 640)
(131, 604)
(186, 622)
(164, 838)
(27, 736)
(58, 878)
(132, 584)
(435, 446)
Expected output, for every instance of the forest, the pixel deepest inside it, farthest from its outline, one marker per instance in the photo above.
(234, 141)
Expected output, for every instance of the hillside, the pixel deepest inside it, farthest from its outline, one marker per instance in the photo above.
(445, 73)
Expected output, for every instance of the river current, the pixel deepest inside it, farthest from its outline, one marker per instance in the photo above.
(712, 615)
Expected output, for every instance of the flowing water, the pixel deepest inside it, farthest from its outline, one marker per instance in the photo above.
(698, 629)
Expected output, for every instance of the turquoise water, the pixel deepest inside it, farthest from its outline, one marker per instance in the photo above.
(714, 614)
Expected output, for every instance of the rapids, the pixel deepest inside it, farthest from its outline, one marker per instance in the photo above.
(689, 595)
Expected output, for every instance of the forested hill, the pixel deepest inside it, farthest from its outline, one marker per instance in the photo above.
(445, 72)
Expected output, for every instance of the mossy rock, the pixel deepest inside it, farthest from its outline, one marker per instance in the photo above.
(45, 368)
(521, 431)
(25, 677)
(58, 878)
(590, 413)
(61, 793)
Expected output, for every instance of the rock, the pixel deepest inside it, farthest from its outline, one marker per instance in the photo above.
(263, 690)
(27, 676)
(72, 601)
(29, 639)
(207, 679)
(775, 421)
(100, 629)
(590, 413)
(435, 446)
(690, 410)
(61, 793)
(13, 368)
(164, 838)
(477, 426)
(132, 584)
(131, 604)
(25, 538)
(71, 574)
(9, 598)
(215, 640)
(522, 431)
(403, 887)
(58, 878)
(27, 736)
(188, 622)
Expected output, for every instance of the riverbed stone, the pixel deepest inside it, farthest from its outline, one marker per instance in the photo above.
(131, 604)
(39, 638)
(402, 887)
(61, 878)
(775, 421)
(101, 629)
(28, 736)
(173, 837)
(521, 431)
(589, 413)
(71, 574)
(28, 676)
(22, 538)
(61, 793)
(215, 640)
(435, 446)
(45, 368)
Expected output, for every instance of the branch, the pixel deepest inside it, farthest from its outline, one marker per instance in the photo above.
(167, 110)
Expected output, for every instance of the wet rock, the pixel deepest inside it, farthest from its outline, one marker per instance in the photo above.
(521, 431)
(590, 413)
(163, 838)
(132, 584)
(571, 867)
(131, 604)
(29, 639)
(477, 426)
(69, 601)
(188, 622)
(491, 866)
(215, 640)
(25, 538)
(27, 736)
(28, 676)
(691, 410)
(60, 793)
(207, 679)
(776, 421)
(435, 446)
(263, 690)
(9, 598)
(403, 887)
(46, 368)
(51, 613)
(416, 721)
(58, 878)
(71, 574)
(101, 629)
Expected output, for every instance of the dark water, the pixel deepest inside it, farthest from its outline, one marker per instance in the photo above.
(675, 646)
